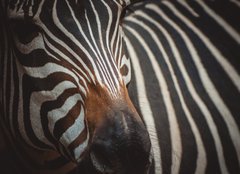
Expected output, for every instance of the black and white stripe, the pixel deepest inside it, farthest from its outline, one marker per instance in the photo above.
(51, 53)
(186, 82)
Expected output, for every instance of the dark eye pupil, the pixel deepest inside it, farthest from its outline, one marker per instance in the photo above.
(25, 31)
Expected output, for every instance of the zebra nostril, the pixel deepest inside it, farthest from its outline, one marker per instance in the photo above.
(100, 159)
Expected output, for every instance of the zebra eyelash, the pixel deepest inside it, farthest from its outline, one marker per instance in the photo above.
(25, 30)
(126, 11)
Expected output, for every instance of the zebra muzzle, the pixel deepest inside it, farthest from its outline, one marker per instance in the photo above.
(120, 145)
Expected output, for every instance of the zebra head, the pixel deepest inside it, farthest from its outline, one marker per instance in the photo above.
(72, 75)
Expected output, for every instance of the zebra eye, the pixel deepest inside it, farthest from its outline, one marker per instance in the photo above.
(25, 30)
(125, 11)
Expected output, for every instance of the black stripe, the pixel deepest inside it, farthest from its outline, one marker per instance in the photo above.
(157, 104)
(227, 91)
(224, 85)
(39, 85)
(50, 105)
(64, 123)
(227, 10)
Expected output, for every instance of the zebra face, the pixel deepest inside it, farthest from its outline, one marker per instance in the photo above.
(72, 75)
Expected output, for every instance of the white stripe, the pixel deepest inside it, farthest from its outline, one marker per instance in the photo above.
(237, 3)
(83, 88)
(145, 108)
(36, 43)
(68, 49)
(58, 113)
(117, 2)
(36, 16)
(110, 83)
(234, 34)
(174, 127)
(201, 159)
(111, 59)
(36, 101)
(227, 67)
(117, 50)
(102, 72)
(214, 95)
(87, 40)
(98, 62)
(185, 4)
(57, 51)
(50, 68)
(110, 21)
(72, 38)
(196, 97)
(79, 150)
(119, 55)
(144, 104)
(54, 49)
(74, 130)
(116, 30)
(20, 119)
(46, 70)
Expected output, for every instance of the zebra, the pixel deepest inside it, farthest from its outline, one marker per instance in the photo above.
(186, 82)
(63, 97)
(194, 118)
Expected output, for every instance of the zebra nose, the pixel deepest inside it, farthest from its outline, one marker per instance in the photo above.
(121, 145)
(101, 157)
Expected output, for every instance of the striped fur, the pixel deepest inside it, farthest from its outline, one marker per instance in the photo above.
(52, 53)
(186, 82)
